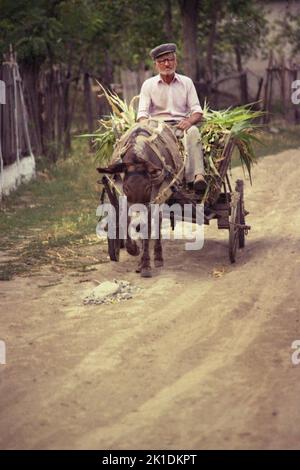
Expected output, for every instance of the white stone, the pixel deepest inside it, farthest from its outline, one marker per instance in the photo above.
(105, 289)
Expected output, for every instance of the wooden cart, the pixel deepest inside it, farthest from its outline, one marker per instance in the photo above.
(222, 203)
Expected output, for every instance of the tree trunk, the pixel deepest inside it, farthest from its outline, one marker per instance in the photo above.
(66, 123)
(67, 141)
(108, 70)
(50, 143)
(189, 11)
(88, 103)
(210, 45)
(283, 86)
(243, 78)
(168, 21)
(30, 74)
(268, 90)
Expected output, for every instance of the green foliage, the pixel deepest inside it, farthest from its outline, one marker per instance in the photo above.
(122, 118)
(245, 27)
(288, 31)
(52, 219)
(232, 123)
(29, 26)
(48, 30)
(240, 24)
(90, 31)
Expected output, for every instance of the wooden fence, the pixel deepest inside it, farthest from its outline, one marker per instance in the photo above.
(278, 90)
(14, 133)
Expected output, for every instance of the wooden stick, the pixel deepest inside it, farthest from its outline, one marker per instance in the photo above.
(268, 86)
(24, 112)
(15, 112)
(283, 87)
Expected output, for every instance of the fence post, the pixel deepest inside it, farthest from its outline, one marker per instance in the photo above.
(24, 111)
(268, 90)
(2, 101)
(13, 64)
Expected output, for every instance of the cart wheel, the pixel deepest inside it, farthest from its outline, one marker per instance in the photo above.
(234, 222)
(240, 188)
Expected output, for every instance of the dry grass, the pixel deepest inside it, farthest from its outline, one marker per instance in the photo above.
(52, 220)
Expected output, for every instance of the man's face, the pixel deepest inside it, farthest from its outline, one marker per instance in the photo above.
(166, 64)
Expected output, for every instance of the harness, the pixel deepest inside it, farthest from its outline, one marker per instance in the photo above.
(157, 139)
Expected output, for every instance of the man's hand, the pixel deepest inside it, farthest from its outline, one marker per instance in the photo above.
(184, 125)
(188, 122)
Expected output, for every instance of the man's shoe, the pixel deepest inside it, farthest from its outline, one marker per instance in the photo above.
(200, 184)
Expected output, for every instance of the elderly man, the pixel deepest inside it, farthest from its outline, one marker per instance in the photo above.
(172, 98)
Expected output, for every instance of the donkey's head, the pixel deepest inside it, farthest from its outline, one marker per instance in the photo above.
(138, 176)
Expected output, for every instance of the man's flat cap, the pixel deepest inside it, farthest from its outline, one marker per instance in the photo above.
(162, 49)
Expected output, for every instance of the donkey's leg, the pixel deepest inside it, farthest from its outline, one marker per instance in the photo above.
(145, 259)
(158, 256)
(131, 245)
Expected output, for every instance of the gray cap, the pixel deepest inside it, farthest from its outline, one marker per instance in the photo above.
(162, 49)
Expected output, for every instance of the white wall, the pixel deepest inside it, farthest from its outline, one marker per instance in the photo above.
(15, 174)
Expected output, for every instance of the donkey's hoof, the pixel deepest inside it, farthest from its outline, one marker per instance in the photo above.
(146, 272)
(138, 269)
(158, 263)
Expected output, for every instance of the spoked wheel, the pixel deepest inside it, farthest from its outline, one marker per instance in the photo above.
(114, 244)
(237, 225)
(240, 188)
(234, 221)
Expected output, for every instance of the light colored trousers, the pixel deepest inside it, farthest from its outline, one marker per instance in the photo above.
(194, 164)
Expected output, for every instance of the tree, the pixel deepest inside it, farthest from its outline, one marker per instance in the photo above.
(61, 41)
(189, 11)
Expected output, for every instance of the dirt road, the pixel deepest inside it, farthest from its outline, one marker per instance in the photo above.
(200, 358)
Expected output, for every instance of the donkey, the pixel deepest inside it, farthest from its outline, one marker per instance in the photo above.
(150, 162)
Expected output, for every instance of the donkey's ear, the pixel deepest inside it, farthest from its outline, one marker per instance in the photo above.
(113, 169)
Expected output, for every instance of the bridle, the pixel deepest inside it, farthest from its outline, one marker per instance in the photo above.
(154, 180)
(137, 173)
(164, 173)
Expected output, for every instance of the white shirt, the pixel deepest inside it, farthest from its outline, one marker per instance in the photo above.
(168, 102)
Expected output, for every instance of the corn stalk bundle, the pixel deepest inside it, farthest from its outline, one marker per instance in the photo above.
(112, 127)
(219, 127)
